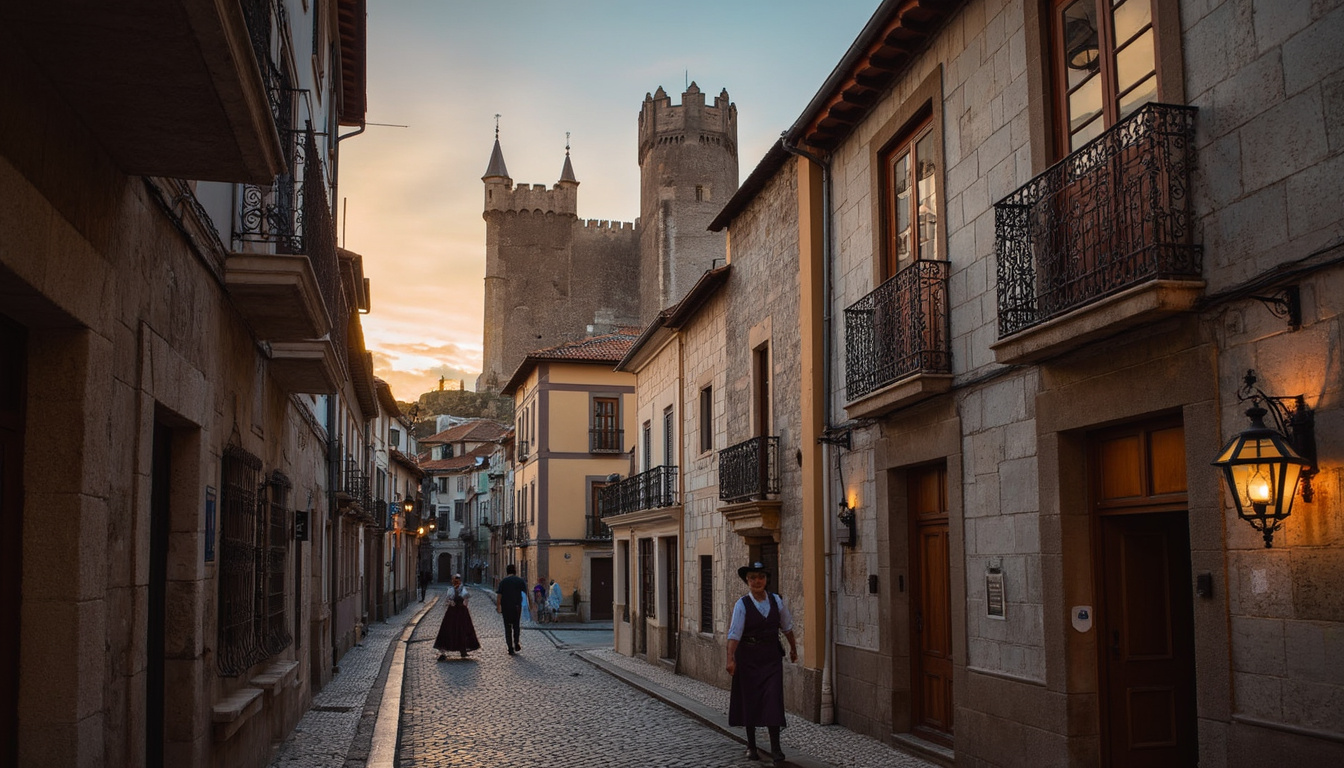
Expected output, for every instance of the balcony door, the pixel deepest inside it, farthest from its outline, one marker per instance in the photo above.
(931, 604)
(13, 356)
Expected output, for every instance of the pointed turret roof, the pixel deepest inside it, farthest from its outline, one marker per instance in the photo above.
(567, 172)
(496, 166)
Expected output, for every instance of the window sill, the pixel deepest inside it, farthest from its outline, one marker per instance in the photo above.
(234, 711)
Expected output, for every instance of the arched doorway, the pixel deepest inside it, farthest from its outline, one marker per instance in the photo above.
(445, 567)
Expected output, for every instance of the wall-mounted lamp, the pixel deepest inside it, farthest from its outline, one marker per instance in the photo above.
(408, 506)
(1263, 467)
(848, 519)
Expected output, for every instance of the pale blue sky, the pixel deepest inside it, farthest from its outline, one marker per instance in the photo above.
(444, 68)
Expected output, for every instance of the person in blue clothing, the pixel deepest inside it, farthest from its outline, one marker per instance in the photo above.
(755, 660)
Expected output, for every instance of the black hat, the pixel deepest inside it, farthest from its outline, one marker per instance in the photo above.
(756, 567)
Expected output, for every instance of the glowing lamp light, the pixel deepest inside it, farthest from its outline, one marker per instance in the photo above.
(1262, 471)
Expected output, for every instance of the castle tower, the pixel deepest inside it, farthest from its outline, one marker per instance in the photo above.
(688, 171)
(549, 276)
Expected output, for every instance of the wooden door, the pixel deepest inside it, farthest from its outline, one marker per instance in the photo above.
(13, 356)
(1145, 615)
(600, 591)
(673, 599)
(930, 605)
(1147, 638)
(645, 594)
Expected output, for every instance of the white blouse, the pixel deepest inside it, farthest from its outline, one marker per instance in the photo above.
(739, 620)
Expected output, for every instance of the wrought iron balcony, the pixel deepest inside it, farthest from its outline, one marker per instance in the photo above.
(605, 440)
(1111, 216)
(354, 487)
(653, 489)
(749, 470)
(380, 513)
(898, 330)
(596, 528)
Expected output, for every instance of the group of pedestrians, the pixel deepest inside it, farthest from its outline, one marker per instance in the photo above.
(760, 627)
(457, 633)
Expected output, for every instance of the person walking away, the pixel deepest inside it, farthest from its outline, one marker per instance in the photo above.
(425, 576)
(554, 601)
(456, 632)
(539, 595)
(755, 660)
(509, 598)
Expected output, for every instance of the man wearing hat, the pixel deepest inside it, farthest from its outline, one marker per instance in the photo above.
(755, 660)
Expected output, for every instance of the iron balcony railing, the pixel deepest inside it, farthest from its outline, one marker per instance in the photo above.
(1112, 215)
(605, 440)
(275, 213)
(355, 485)
(653, 489)
(749, 470)
(898, 330)
(380, 513)
(596, 528)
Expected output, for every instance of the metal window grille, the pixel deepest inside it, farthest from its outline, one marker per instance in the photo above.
(276, 636)
(239, 587)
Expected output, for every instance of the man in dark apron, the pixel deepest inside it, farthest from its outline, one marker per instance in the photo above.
(755, 660)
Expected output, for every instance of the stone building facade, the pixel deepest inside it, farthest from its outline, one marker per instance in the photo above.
(185, 397)
(1044, 310)
(575, 415)
(551, 277)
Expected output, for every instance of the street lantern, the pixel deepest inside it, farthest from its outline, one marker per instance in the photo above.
(1264, 467)
(408, 505)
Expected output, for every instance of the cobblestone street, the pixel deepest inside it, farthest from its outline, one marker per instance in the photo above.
(543, 707)
(567, 699)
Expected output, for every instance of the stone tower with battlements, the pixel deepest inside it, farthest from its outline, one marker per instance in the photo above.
(688, 170)
(552, 278)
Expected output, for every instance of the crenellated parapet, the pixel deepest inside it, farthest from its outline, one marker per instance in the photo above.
(501, 195)
(602, 225)
(661, 123)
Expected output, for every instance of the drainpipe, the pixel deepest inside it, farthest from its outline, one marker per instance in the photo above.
(827, 714)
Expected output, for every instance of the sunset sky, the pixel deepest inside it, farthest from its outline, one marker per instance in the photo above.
(410, 198)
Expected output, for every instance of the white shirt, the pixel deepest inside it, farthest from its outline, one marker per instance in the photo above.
(739, 620)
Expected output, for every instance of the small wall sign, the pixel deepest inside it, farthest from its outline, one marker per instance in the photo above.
(995, 601)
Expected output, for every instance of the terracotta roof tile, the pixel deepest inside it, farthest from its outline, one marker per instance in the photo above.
(606, 348)
(475, 431)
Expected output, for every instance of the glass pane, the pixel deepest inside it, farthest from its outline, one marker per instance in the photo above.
(1142, 94)
(1134, 62)
(900, 186)
(1085, 103)
(926, 198)
(1078, 21)
(1130, 17)
(1089, 132)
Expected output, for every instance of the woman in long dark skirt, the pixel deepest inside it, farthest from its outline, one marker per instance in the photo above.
(456, 633)
(755, 660)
